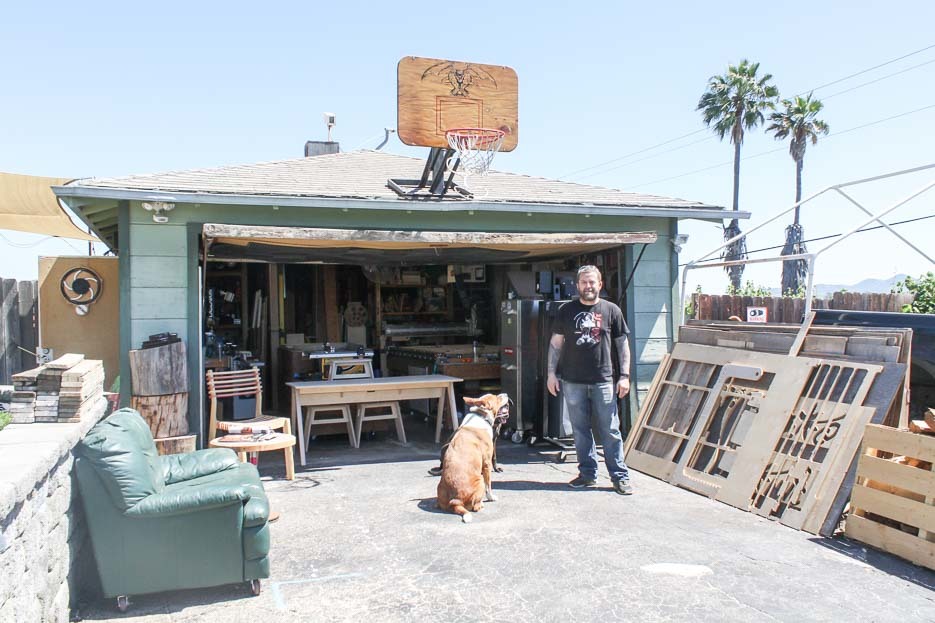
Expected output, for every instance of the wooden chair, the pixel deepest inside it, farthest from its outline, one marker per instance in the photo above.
(239, 383)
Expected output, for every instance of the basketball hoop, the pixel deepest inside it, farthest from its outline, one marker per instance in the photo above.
(475, 148)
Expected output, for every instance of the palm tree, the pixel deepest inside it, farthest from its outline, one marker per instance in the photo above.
(797, 121)
(733, 103)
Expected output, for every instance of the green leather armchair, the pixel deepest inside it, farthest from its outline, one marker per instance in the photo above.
(161, 523)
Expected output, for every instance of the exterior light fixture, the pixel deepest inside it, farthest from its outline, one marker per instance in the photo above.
(159, 210)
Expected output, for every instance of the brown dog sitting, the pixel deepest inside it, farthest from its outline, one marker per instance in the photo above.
(502, 417)
(468, 460)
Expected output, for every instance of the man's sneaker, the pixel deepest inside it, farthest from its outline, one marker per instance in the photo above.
(623, 487)
(581, 482)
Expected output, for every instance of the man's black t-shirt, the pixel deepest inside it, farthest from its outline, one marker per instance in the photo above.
(589, 332)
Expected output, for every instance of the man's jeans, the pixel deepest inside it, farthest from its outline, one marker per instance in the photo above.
(595, 404)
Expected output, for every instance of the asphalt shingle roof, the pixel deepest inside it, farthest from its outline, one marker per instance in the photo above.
(363, 175)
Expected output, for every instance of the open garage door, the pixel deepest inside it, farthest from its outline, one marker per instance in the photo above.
(403, 248)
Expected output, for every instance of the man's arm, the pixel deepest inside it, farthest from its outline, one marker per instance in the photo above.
(622, 344)
(555, 353)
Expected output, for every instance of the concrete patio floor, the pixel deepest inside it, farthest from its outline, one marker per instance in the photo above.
(360, 540)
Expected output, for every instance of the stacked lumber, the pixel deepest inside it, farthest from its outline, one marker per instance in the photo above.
(768, 418)
(81, 391)
(23, 403)
(68, 389)
(893, 501)
(926, 425)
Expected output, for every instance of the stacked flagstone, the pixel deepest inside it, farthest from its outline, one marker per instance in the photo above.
(69, 389)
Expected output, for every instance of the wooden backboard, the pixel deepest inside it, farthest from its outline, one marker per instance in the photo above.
(435, 95)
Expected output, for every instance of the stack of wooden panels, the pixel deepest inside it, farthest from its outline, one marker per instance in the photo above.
(65, 390)
(774, 434)
(81, 391)
(893, 502)
(926, 425)
(889, 347)
(50, 383)
(23, 403)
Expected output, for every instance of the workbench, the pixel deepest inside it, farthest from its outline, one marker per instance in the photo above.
(451, 359)
(386, 389)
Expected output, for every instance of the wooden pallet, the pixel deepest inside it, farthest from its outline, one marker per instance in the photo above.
(893, 502)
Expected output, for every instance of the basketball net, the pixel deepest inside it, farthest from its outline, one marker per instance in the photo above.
(474, 148)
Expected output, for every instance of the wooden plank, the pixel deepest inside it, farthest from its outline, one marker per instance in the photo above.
(399, 239)
(921, 427)
(899, 442)
(907, 477)
(833, 470)
(332, 314)
(897, 508)
(891, 540)
(9, 309)
(800, 337)
(66, 361)
(28, 332)
(820, 345)
(649, 464)
(650, 400)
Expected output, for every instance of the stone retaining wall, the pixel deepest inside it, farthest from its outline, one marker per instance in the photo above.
(45, 557)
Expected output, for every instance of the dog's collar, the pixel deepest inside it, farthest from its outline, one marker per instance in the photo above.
(475, 415)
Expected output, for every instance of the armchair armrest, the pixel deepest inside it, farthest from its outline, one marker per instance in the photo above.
(181, 467)
(188, 500)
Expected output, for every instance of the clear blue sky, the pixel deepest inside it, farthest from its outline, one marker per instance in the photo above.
(107, 89)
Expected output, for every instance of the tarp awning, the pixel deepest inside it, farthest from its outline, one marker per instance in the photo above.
(394, 247)
(28, 204)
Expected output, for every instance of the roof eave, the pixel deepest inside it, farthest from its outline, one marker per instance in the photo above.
(89, 192)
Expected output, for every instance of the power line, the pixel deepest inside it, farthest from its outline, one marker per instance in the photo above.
(662, 153)
(869, 69)
(859, 86)
(634, 153)
(678, 138)
(668, 151)
(772, 151)
(859, 231)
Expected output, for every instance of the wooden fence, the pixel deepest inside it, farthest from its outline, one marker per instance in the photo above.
(788, 309)
(19, 327)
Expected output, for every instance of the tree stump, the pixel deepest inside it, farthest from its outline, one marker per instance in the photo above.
(167, 415)
(176, 445)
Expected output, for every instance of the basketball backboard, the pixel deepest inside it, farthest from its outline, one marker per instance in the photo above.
(435, 95)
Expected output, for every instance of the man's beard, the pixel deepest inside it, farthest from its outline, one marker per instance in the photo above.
(589, 296)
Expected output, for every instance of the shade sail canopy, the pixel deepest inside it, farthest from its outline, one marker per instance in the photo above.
(28, 204)
(403, 248)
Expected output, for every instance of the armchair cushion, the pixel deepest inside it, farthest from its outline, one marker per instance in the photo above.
(181, 500)
(181, 467)
(122, 451)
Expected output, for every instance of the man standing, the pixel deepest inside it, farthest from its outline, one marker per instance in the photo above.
(582, 338)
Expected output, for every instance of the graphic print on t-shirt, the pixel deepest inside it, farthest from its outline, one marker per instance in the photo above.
(588, 328)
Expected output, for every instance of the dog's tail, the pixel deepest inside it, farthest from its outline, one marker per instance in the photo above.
(457, 507)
